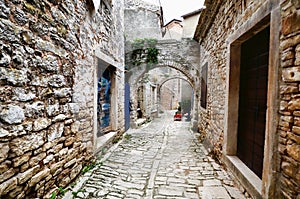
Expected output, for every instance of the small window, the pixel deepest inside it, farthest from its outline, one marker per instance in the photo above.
(204, 86)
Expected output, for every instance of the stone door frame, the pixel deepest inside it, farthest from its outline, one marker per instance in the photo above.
(267, 15)
(106, 61)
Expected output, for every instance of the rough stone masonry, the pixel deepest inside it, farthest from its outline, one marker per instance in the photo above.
(47, 47)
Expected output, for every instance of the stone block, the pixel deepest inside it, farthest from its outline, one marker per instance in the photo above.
(8, 186)
(75, 171)
(287, 63)
(296, 130)
(16, 191)
(35, 109)
(4, 166)
(48, 159)
(294, 151)
(4, 10)
(17, 77)
(41, 123)
(22, 95)
(284, 123)
(37, 159)
(294, 104)
(56, 166)
(296, 113)
(57, 148)
(57, 172)
(65, 181)
(288, 89)
(72, 153)
(283, 105)
(12, 114)
(59, 118)
(24, 167)
(211, 183)
(48, 146)
(21, 145)
(70, 163)
(63, 92)
(8, 174)
(67, 131)
(39, 176)
(291, 23)
(289, 119)
(49, 63)
(63, 152)
(294, 137)
(282, 149)
(69, 121)
(4, 149)
(288, 54)
(290, 42)
(57, 81)
(48, 46)
(288, 168)
(297, 60)
(25, 176)
(55, 131)
(40, 185)
(291, 74)
(297, 121)
(69, 141)
(21, 159)
(21, 195)
(53, 110)
(75, 127)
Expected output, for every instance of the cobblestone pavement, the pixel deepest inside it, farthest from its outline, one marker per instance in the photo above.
(159, 161)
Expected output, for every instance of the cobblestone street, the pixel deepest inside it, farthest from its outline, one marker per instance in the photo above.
(160, 160)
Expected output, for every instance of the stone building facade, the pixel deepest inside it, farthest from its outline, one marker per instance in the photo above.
(249, 113)
(173, 30)
(190, 21)
(49, 55)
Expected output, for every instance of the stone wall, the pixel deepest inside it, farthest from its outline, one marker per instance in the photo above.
(213, 51)
(142, 20)
(289, 140)
(220, 21)
(46, 58)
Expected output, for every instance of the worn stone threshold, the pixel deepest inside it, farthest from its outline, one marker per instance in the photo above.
(247, 178)
(104, 140)
(141, 121)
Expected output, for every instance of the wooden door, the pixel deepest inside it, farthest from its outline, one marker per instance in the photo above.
(253, 100)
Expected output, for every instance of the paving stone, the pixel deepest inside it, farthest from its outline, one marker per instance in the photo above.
(213, 192)
(162, 160)
(213, 182)
(170, 192)
(234, 192)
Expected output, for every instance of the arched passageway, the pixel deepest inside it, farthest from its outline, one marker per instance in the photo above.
(170, 54)
(176, 93)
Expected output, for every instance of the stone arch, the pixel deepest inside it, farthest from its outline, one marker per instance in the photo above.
(171, 54)
(171, 78)
(165, 80)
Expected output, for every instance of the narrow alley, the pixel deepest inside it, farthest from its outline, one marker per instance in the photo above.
(163, 159)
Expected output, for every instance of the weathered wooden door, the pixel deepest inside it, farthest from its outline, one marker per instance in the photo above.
(253, 100)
